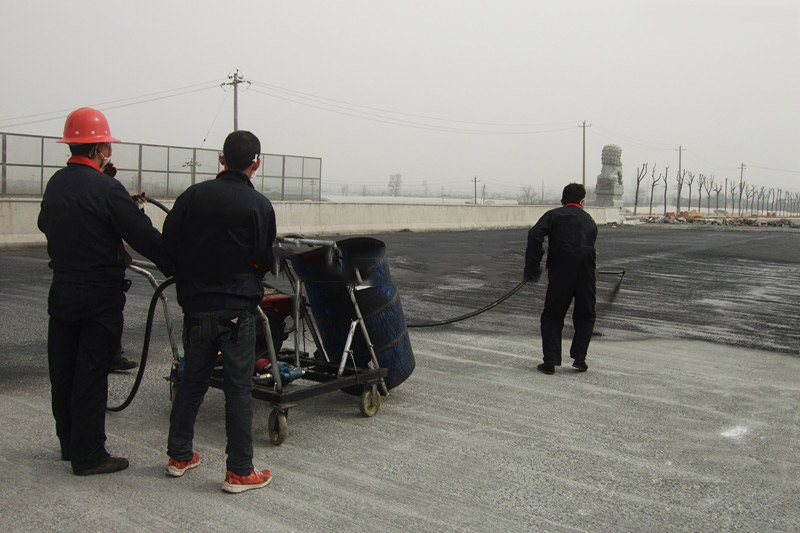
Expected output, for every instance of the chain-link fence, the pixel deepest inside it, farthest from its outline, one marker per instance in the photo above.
(28, 161)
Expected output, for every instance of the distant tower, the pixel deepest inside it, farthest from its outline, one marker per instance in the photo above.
(608, 191)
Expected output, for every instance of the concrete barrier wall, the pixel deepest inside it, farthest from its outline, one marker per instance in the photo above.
(18, 218)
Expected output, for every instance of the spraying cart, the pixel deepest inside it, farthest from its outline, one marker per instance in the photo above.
(340, 300)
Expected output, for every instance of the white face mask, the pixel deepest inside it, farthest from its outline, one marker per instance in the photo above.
(106, 160)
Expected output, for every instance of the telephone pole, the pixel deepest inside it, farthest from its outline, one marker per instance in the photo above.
(680, 153)
(475, 181)
(584, 126)
(236, 79)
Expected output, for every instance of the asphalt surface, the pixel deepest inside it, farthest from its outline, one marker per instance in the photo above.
(687, 419)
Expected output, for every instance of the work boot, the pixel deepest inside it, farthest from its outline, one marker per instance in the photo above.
(580, 366)
(546, 368)
(235, 483)
(105, 466)
(122, 364)
(177, 468)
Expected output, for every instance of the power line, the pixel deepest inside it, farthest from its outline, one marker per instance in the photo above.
(326, 100)
(616, 136)
(103, 107)
(365, 115)
(62, 111)
(775, 169)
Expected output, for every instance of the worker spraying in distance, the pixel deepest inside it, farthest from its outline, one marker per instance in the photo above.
(571, 233)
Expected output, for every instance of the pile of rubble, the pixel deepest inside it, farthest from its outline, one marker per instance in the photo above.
(693, 217)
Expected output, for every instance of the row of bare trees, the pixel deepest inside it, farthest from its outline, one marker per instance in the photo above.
(752, 199)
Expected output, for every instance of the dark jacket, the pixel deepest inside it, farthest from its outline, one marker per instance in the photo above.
(220, 234)
(85, 215)
(571, 234)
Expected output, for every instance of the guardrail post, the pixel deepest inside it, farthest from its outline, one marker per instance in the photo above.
(3, 179)
(139, 179)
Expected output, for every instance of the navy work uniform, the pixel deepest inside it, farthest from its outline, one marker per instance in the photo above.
(571, 259)
(220, 233)
(85, 215)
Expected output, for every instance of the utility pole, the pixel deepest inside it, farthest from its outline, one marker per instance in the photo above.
(236, 79)
(680, 153)
(483, 194)
(584, 126)
(475, 181)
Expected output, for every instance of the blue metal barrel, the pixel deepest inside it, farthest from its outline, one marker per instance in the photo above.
(326, 288)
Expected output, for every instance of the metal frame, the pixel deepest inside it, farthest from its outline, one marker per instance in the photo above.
(167, 172)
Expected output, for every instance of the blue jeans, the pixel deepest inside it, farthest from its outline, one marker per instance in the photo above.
(205, 334)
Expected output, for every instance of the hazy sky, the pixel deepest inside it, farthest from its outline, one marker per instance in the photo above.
(438, 91)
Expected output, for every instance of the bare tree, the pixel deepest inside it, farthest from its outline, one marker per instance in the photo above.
(666, 186)
(345, 190)
(749, 193)
(742, 185)
(771, 199)
(778, 204)
(732, 187)
(708, 186)
(640, 174)
(526, 196)
(395, 180)
(701, 182)
(761, 194)
(653, 182)
(689, 181)
(679, 179)
(718, 188)
(725, 195)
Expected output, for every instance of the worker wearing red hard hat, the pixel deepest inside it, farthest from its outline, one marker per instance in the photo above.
(85, 216)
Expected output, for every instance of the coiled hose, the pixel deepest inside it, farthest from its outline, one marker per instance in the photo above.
(148, 330)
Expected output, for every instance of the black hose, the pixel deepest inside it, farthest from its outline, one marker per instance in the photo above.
(495, 303)
(146, 347)
(506, 296)
(156, 203)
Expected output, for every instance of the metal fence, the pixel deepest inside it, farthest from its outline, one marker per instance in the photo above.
(28, 161)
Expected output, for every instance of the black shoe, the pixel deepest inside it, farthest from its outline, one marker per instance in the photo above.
(122, 364)
(580, 366)
(546, 368)
(106, 466)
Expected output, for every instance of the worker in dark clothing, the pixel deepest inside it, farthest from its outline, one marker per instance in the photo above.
(220, 233)
(571, 234)
(85, 216)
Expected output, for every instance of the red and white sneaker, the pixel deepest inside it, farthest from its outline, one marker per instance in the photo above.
(255, 480)
(177, 468)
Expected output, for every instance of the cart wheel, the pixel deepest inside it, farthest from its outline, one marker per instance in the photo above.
(276, 426)
(370, 401)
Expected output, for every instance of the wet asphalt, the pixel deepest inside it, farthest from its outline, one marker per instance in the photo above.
(687, 419)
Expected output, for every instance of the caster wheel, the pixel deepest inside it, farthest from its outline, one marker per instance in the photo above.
(370, 401)
(276, 426)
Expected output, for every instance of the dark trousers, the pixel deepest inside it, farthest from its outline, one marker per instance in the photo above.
(563, 286)
(231, 332)
(80, 353)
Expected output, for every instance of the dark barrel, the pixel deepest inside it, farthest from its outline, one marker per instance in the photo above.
(326, 288)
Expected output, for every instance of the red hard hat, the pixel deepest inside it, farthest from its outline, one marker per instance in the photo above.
(87, 126)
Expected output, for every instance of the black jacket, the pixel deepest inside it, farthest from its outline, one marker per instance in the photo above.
(220, 234)
(571, 234)
(85, 215)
